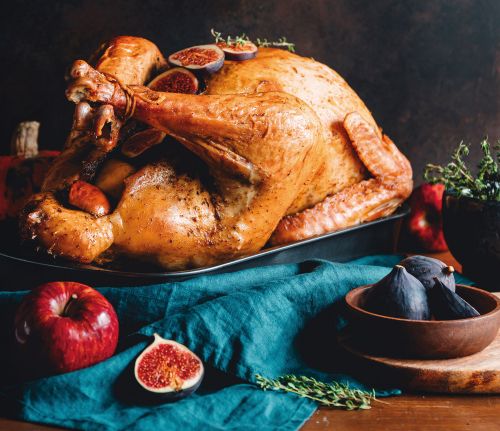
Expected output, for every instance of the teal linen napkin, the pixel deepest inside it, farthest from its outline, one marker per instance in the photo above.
(259, 320)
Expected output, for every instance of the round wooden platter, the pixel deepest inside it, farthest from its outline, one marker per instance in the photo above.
(475, 374)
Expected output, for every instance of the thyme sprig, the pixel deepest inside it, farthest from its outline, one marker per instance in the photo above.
(457, 177)
(280, 43)
(239, 40)
(333, 394)
(230, 41)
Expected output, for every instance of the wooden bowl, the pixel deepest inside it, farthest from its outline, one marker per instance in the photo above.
(428, 339)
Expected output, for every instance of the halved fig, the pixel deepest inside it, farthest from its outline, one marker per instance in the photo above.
(169, 369)
(238, 51)
(200, 58)
(175, 80)
(141, 141)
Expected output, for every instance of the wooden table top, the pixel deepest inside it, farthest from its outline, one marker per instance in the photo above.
(415, 412)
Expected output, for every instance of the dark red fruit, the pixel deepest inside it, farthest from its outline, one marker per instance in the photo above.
(201, 58)
(175, 80)
(239, 52)
(169, 369)
(425, 222)
(89, 198)
(141, 141)
(64, 326)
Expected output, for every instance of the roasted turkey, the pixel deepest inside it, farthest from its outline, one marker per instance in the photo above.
(277, 149)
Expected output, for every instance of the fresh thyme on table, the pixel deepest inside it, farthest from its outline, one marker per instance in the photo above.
(243, 38)
(457, 177)
(326, 394)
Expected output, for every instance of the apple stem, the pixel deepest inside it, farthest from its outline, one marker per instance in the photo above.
(66, 307)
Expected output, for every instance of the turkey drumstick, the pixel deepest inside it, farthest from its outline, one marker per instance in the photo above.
(260, 149)
(95, 131)
(66, 232)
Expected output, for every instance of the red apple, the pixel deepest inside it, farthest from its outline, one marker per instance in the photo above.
(64, 326)
(425, 222)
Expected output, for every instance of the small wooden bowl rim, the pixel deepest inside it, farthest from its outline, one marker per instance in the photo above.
(353, 292)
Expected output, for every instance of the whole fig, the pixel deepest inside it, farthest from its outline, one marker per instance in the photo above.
(426, 268)
(398, 294)
(448, 305)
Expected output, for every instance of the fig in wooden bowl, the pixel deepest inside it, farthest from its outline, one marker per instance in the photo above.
(428, 339)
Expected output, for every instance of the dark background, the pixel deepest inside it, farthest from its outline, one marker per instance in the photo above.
(428, 70)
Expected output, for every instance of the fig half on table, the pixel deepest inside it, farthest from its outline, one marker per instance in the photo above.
(168, 370)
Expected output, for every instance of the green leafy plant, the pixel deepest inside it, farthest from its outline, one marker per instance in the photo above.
(457, 177)
(282, 42)
(326, 394)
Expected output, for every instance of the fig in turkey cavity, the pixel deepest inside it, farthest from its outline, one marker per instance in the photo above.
(175, 80)
(238, 51)
(200, 58)
(168, 369)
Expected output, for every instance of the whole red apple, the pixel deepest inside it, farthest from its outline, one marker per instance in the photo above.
(66, 326)
(425, 222)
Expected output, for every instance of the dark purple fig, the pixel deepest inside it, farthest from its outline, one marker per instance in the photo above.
(168, 369)
(239, 51)
(175, 80)
(201, 58)
(448, 305)
(426, 268)
(398, 294)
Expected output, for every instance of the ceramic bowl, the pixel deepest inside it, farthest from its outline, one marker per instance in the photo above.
(428, 339)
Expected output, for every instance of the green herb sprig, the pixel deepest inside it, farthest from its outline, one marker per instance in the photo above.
(282, 42)
(457, 177)
(230, 41)
(326, 394)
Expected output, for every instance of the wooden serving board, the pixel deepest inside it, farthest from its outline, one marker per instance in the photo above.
(475, 374)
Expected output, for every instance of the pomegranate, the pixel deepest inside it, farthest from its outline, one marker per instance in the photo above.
(201, 58)
(169, 369)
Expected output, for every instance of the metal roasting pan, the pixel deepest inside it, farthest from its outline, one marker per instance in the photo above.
(22, 269)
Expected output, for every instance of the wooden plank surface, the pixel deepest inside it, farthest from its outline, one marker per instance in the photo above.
(10, 425)
(404, 413)
(415, 413)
